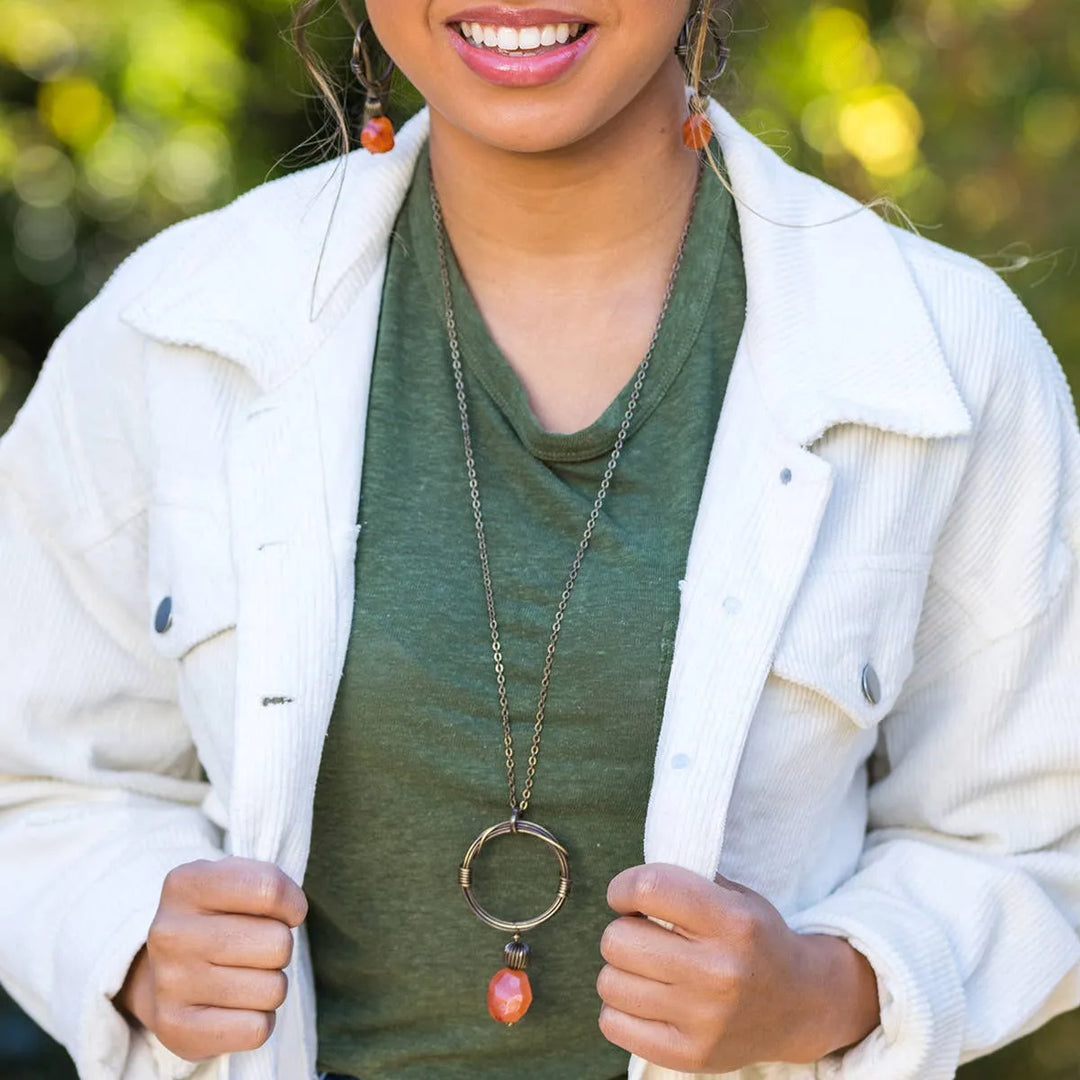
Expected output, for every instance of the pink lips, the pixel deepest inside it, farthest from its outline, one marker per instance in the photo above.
(505, 69)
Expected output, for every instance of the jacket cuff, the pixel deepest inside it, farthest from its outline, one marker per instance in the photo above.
(920, 992)
(96, 944)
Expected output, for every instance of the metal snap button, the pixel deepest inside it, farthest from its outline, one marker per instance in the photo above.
(871, 685)
(163, 617)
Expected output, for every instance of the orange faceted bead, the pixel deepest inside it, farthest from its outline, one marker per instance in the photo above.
(697, 131)
(378, 135)
(509, 996)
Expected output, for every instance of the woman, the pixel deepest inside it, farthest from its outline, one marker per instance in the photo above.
(818, 644)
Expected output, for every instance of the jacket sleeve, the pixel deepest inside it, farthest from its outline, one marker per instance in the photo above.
(966, 899)
(100, 785)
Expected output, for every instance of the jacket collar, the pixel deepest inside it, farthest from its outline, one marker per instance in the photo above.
(836, 329)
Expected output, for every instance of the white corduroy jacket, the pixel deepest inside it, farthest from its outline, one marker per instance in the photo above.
(895, 482)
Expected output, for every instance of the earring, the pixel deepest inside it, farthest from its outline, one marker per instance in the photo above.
(377, 134)
(697, 131)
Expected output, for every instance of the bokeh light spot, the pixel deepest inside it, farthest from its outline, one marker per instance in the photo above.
(75, 110)
(45, 243)
(1051, 124)
(192, 163)
(33, 40)
(44, 233)
(43, 176)
(181, 56)
(985, 199)
(117, 165)
(818, 124)
(881, 128)
(9, 152)
(838, 43)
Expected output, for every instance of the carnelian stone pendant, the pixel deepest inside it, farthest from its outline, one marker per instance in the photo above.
(509, 996)
(509, 992)
(377, 136)
(697, 131)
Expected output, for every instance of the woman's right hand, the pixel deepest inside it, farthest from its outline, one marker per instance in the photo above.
(210, 978)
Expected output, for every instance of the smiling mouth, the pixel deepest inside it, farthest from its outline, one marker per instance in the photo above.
(522, 41)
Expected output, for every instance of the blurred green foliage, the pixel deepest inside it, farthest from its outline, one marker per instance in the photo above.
(118, 119)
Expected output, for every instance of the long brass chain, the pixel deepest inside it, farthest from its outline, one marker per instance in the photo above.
(519, 807)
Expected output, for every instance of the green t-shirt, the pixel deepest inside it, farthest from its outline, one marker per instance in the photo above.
(413, 767)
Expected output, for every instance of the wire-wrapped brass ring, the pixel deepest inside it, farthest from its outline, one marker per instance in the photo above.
(519, 828)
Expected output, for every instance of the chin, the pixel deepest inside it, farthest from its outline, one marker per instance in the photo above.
(562, 122)
(515, 138)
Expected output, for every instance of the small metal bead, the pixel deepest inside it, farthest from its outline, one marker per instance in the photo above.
(516, 955)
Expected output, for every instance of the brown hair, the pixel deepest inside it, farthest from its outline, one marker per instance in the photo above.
(711, 22)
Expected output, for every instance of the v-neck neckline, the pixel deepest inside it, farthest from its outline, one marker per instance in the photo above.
(482, 358)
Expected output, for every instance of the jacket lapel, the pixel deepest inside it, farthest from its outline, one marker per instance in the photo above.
(266, 280)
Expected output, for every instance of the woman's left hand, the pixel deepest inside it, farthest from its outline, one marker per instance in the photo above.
(731, 984)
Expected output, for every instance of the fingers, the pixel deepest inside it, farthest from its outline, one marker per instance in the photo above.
(198, 1033)
(244, 989)
(215, 955)
(240, 886)
(654, 1040)
(637, 996)
(636, 945)
(185, 938)
(692, 904)
(246, 941)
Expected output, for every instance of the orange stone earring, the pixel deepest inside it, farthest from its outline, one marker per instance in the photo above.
(697, 131)
(377, 133)
(701, 42)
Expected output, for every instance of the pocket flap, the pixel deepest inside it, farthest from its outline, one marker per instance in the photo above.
(851, 634)
(191, 585)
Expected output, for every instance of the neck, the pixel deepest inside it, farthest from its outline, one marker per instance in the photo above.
(626, 185)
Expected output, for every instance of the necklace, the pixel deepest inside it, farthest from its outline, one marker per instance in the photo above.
(509, 992)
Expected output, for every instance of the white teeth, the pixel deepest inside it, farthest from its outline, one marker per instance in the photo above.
(525, 39)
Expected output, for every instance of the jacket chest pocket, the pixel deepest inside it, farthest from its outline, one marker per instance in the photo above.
(191, 583)
(851, 633)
